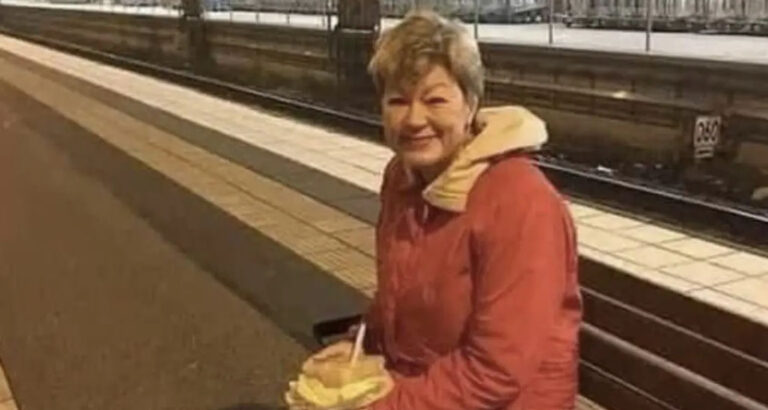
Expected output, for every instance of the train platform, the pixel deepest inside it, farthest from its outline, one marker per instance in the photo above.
(280, 211)
(303, 157)
(115, 315)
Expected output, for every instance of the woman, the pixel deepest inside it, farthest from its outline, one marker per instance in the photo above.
(478, 304)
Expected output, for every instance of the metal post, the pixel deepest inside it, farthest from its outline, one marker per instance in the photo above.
(551, 22)
(649, 25)
(191, 9)
(477, 18)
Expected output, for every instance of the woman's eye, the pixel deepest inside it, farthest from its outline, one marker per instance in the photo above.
(397, 101)
(436, 100)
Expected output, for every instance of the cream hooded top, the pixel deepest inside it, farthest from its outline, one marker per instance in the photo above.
(502, 130)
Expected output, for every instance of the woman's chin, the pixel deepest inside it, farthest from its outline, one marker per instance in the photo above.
(419, 159)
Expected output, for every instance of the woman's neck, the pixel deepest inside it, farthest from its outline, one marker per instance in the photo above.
(430, 173)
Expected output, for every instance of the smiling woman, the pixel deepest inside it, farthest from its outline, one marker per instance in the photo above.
(477, 304)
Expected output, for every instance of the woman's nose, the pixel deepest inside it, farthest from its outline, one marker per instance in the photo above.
(416, 117)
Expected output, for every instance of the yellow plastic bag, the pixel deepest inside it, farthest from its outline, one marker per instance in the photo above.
(335, 384)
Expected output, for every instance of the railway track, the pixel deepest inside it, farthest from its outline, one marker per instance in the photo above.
(643, 346)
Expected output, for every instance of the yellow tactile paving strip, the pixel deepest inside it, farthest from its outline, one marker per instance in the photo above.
(322, 235)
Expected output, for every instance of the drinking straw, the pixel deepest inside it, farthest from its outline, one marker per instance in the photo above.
(358, 344)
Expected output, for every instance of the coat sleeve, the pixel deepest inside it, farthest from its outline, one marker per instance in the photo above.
(523, 255)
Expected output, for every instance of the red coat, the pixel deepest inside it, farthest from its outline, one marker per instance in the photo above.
(477, 309)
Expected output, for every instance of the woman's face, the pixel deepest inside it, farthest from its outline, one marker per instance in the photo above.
(427, 124)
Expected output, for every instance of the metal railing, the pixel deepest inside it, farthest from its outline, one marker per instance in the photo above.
(602, 24)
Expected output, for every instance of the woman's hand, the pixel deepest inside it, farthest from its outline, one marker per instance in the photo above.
(331, 366)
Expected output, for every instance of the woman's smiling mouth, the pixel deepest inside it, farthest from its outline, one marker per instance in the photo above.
(416, 142)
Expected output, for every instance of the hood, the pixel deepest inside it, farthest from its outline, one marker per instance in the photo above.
(502, 130)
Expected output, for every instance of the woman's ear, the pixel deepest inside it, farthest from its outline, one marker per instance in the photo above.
(471, 114)
(473, 124)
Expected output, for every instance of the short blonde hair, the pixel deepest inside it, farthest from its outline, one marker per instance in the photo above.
(403, 53)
